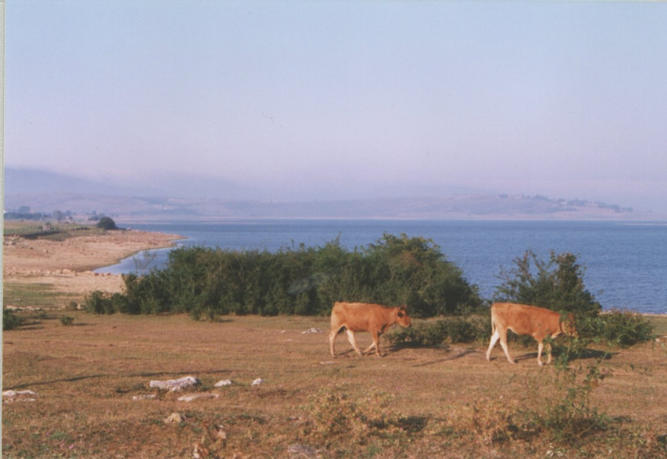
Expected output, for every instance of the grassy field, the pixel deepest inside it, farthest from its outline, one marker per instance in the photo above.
(55, 231)
(36, 295)
(430, 402)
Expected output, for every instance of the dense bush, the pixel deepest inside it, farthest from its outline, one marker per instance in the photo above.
(558, 284)
(10, 320)
(620, 328)
(449, 330)
(107, 223)
(205, 282)
(66, 320)
(103, 303)
(555, 284)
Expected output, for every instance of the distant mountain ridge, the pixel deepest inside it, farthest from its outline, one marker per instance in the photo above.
(449, 207)
(86, 197)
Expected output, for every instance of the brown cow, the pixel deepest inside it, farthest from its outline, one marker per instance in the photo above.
(527, 320)
(356, 317)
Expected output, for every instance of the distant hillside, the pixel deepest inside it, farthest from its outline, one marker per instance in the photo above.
(472, 206)
(46, 192)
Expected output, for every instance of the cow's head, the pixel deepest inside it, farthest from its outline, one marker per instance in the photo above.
(402, 317)
(568, 325)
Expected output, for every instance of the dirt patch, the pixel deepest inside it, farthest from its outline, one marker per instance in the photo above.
(67, 265)
(414, 402)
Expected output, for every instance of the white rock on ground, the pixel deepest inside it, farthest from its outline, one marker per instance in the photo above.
(144, 397)
(19, 396)
(257, 382)
(174, 385)
(197, 396)
(174, 418)
(311, 330)
(223, 382)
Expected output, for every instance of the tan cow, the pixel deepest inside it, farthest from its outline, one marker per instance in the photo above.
(527, 320)
(356, 317)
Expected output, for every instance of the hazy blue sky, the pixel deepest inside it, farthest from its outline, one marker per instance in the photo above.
(322, 100)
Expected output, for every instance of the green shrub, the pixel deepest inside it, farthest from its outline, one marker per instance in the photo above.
(10, 320)
(555, 284)
(107, 223)
(66, 320)
(569, 416)
(449, 330)
(99, 303)
(306, 281)
(620, 328)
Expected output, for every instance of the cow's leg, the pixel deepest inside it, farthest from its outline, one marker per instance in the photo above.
(540, 346)
(353, 342)
(548, 346)
(368, 349)
(376, 343)
(503, 344)
(332, 340)
(494, 340)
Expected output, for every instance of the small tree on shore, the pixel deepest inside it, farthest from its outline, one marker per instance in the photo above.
(107, 223)
(556, 284)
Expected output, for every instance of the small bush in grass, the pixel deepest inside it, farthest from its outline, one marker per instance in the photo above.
(66, 320)
(449, 330)
(10, 320)
(620, 328)
(569, 415)
(99, 303)
(337, 419)
(564, 414)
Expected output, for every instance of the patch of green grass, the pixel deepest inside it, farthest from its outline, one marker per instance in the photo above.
(67, 320)
(659, 324)
(37, 294)
(54, 231)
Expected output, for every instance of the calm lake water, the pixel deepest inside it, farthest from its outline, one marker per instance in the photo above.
(625, 263)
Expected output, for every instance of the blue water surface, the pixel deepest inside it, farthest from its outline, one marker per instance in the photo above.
(625, 263)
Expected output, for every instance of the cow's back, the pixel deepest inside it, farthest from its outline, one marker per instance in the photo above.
(524, 319)
(356, 316)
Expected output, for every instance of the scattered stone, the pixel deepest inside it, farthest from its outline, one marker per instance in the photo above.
(144, 397)
(223, 382)
(257, 382)
(327, 362)
(311, 331)
(11, 396)
(299, 450)
(175, 385)
(174, 418)
(197, 396)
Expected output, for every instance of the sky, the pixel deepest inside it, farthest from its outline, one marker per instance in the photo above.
(298, 100)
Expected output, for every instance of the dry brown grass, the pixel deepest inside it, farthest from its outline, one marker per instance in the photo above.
(411, 403)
